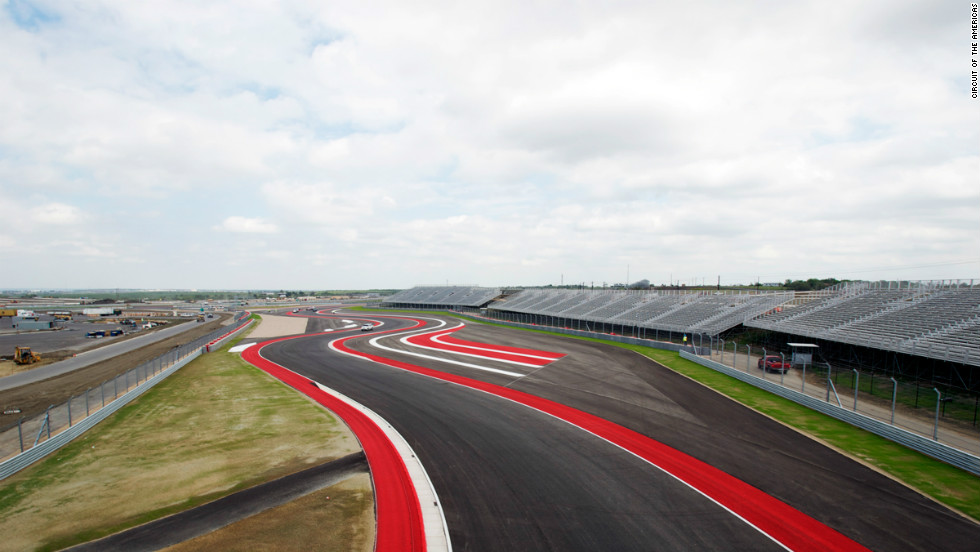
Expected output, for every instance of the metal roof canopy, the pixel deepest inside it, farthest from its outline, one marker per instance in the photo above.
(802, 353)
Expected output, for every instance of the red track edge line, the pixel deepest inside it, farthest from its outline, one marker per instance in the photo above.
(397, 509)
(779, 521)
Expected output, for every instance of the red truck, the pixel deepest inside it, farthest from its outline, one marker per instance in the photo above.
(773, 363)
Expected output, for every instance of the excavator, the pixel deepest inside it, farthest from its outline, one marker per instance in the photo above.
(23, 355)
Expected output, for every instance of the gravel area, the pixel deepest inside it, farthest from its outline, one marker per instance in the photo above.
(278, 326)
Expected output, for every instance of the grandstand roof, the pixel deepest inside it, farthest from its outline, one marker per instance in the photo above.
(448, 296)
(940, 321)
(710, 312)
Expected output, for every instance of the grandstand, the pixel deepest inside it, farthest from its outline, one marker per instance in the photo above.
(696, 312)
(939, 320)
(933, 320)
(428, 297)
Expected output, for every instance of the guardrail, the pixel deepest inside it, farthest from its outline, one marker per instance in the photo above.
(930, 447)
(30, 439)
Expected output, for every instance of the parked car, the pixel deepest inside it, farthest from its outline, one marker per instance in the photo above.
(367, 327)
(116, 332)
(773, 363)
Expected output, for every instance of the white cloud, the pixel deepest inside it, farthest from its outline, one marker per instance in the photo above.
(490, 142)
(245, 225)
(56, 213)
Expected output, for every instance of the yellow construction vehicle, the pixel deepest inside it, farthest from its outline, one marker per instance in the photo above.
(23, 355)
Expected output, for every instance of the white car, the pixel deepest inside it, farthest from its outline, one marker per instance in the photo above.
(367, 327)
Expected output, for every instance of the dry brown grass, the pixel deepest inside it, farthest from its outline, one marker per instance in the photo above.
(339, 518)
(216, 426)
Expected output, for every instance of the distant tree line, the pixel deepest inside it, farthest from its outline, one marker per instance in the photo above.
(812, 284)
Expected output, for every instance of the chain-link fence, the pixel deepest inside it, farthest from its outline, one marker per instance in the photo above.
(27, 433)
(940, 412)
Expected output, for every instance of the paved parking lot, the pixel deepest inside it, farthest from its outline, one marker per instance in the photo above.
(69, 336)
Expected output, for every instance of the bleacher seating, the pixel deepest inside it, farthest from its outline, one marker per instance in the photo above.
(935, 321)
(447, 296)
(939, 321)
(703, 312)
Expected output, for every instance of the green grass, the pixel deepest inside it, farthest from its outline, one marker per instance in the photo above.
(947, 484)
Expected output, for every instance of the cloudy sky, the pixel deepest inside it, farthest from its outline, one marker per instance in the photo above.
(334, 144)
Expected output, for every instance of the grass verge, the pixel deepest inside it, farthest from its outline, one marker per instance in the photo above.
(216, 426)
(958, 489)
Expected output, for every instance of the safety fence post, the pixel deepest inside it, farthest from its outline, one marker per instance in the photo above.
(45, 424)
(856, 381)
(894, 397)
(803, 385)
(782, 370)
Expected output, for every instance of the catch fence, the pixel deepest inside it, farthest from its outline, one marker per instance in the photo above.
(940, 413)
(29, 439)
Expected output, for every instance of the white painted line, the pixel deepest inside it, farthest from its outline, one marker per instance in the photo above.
(446, 360)
(433, 518)
(374, 343)
(651, 463)
(621, 447)
(240, 348)
(485, 357)
(438, 340)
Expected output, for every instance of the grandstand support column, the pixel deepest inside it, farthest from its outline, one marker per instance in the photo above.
(935, 428)
(748, 358)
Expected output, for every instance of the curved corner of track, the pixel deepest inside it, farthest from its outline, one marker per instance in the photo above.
(399, 479)
(784, 525)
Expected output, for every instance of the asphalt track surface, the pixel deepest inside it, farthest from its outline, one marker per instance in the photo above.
(512, 478)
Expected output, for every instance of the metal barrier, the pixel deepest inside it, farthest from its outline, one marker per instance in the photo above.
(925, 445)
(916, 441)
(30, 439)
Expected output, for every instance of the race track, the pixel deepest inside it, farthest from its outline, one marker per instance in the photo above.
(513, 478)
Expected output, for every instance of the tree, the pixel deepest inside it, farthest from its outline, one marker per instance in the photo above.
(642, 284)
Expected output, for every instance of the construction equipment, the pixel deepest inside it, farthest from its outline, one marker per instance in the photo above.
(23, 355)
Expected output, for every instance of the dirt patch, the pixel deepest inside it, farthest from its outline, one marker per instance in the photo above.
(9, 367)
(33, 399)
(277, 326)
